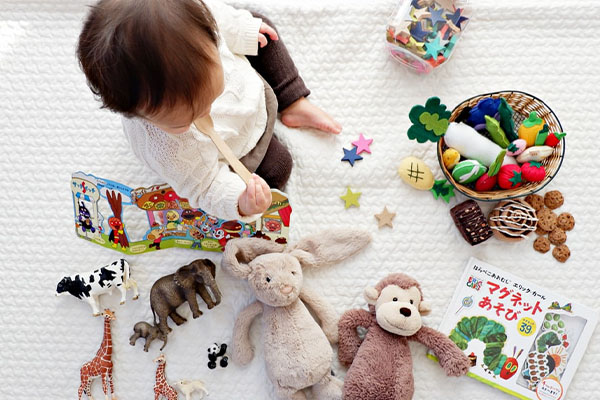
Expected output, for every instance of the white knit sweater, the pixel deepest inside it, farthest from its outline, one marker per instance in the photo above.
(190, 162)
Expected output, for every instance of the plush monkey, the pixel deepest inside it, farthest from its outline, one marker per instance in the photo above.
(381, 364)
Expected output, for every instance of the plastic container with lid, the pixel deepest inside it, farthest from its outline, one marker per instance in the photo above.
(422, 34)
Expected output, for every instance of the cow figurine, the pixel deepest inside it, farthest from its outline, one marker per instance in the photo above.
(89, 285)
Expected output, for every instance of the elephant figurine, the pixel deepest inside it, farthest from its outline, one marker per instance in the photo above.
(149, 332)
(170, 291)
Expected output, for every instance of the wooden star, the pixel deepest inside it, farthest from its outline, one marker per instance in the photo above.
(351, 198)
(385, 218)
(419, 14)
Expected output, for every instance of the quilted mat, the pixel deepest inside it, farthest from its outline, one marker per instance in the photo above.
(51, 126)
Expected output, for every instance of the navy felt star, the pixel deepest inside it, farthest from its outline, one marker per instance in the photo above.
(436, 15)
(418, 33)
(457, 19)
(351, 156)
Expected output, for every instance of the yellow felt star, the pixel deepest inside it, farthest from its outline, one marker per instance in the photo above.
(385, 218)
(351, 198)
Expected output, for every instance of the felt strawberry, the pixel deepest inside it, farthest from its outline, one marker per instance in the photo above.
(554, 138)
(533, 171)
(510, 177)
(485, 182)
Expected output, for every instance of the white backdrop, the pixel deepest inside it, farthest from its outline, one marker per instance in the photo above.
(50, 126)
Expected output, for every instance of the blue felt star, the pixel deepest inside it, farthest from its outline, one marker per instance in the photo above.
(415, 4)
(351, 156)
(418, 33)
(433, 48)
(436, 15)
(457, 19)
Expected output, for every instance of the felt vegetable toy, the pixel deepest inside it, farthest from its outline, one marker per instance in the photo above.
(506, 120)
(468, 171)
(470, 144)
(554, 138)
(381, 363)
(451, 157)
(510, 177)
(488, 106)
(416, 173)
(533, 171)
(495, 167)
(516, 147)
(498, 136)
(530, 128)
(429, 122)
(298, 354)
(541, 136)
(486, 182)
(536, 153)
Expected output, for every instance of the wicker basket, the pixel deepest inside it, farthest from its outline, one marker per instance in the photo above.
(522, 104)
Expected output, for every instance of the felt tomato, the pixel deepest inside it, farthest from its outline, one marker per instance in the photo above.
(533, 171)
(554, 138)
(486, 182)
(509, 176)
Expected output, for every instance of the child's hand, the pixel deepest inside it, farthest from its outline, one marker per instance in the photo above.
(256, 198)
(266, 29)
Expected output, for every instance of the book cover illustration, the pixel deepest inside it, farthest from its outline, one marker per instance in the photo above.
(144, 219)
(520, 338)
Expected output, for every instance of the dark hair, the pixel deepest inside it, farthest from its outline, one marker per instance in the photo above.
(143, 55)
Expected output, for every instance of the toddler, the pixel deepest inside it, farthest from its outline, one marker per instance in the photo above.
(163, 64)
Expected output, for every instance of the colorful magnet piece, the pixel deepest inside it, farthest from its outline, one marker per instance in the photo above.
(450, 157)
(433, 48)
(351, 156)
(516, 147)
(436, 16)
(351, 198)
(362, 144)
(415, 173)
(442, 189)
(468, 171)
(385, 218)
(428, 121)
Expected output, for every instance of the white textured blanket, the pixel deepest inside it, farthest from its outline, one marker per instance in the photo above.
(50, 126)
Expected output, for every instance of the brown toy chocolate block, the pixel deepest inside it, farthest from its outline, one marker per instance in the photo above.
(471, 222)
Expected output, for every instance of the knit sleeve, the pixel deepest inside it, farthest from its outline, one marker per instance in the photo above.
(238, 27)
(190, 166)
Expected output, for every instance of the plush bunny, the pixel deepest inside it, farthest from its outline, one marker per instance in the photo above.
(297, 350)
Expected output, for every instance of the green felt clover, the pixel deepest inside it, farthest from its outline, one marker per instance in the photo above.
(430, 122)
(442, 189)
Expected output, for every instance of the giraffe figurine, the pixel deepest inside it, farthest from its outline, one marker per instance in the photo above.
(161, 387)
(101, 365)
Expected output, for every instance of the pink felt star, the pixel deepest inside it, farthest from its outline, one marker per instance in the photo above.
(362, 144)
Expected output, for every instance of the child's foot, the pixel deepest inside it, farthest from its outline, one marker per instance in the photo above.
(302, 113)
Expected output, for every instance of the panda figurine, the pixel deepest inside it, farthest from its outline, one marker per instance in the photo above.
(214, 353)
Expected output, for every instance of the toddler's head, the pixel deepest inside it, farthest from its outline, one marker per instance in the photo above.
(157, 59)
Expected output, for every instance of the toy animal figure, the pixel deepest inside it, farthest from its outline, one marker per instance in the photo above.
(117, 234)
(149, 332)
(214, 353)
(170, 291)
(297, 350)
(90, 285)
(381, 364)
(84, 218)
(101, 365)
(161, 387)
(188, 387)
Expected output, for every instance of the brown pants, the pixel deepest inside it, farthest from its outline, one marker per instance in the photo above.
(277, 68)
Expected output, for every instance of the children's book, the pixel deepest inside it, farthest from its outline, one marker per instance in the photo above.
(152, 218)
(520, 338)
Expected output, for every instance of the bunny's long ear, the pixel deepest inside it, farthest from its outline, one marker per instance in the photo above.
(239, 252)
(329, 247)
